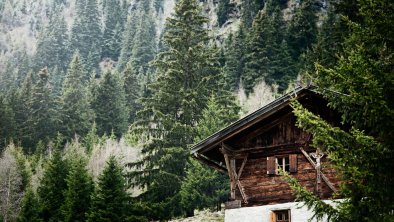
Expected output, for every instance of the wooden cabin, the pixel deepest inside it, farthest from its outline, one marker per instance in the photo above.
(252, 150)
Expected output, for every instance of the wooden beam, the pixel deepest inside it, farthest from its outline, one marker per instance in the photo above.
(326, 180)
(231, 175)
(240, 187)
(242, 166)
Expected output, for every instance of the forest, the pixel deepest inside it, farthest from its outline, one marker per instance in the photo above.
(100, 101)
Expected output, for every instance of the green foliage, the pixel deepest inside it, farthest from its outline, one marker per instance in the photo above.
(52, 187)
(224, 9)
(30, 208)
(7, 122)
(302, 30)
(186, 74)
(132, 92)
(249, 10)
(109, 104)
(109, 202)
(52, 46)
(77, 116)
(86, 30)
(78, 193)
(268, 57)
(113, 26)
(360, 87)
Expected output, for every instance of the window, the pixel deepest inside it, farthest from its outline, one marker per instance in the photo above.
(287, 163)
(281, 216)
(283, 163)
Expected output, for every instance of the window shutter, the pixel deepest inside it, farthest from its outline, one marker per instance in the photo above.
(271, 165)
(272, 216)
(293, 163)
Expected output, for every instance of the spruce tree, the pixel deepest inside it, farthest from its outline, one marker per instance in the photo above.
(42, 119)
(205, 187)
(109, 202)
(52, 46)
(127, 41)
(77, 116)
(267, 54)
(78, 193)
(7, 122)
(109, 104)
(302, 30)
(112, 18)
(235, 59)
(30, 208)
(186, 74)
(360, 87)
(132, 92)
(52, 187)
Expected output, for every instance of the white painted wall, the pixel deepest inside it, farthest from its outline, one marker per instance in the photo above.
(263, 213)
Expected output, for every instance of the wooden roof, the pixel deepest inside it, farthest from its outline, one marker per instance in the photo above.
(207, 150)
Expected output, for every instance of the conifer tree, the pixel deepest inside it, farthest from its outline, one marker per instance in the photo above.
(112, 18)
(7, 122)
(132, 92)
(302, 31)
(30, 208)
(52, 46)
(249, 10)
(86, 30)
(127, 42)
(52, 187)
(109, 104)
(204, 187)
(42, 119)
(109, 202)
(224, 8)
(78, 193)
(77, 116)
(235, 59)
(360, 87)
(267, 54)
(186, 75)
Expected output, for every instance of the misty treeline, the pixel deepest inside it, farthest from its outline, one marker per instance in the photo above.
(96, 118)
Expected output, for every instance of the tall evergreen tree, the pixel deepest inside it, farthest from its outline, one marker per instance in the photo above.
(52, 46)
(109, 104)
(302, 31)
(235, 59)
(52, 187)
(7, 122)
(132, 92)
(77, 116)
(109, 202)
(78, 193)
(30, 208)
(186, 75)
(360, 86)
(127, 42)
(267, 54)
(42, 119)
(112, 18)
(86, 30)
(204, 187)
(249, 10)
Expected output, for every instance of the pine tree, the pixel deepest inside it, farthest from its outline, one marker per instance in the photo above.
(302, 31)
(132, 92)
(112, 18)
(127, 42)
(359, 86)
(78, 193)
(249, 9)
(267, 54)
(7, 122)
(42, 119)
(77, 116)
(30, 208)
(86, 29)
(144, 48)
(52, 187)
(109, 104)
(186, 75)
(204, 187)
(52, 46)
(109, 202)
(235, 59)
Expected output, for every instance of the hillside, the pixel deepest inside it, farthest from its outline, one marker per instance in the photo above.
(102, 97)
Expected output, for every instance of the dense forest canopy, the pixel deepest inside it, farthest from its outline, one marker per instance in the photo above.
(100, 100)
